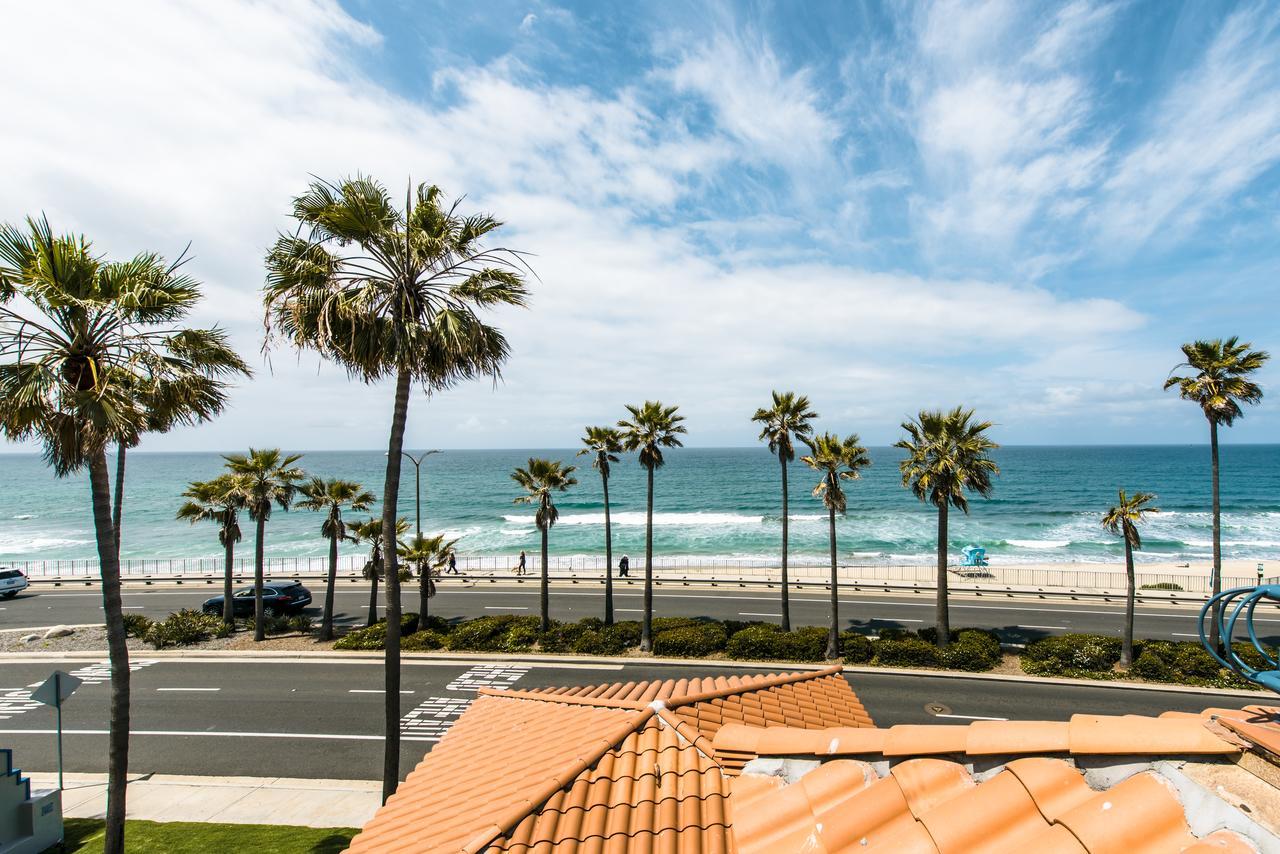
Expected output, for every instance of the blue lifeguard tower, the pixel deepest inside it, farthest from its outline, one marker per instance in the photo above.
(973, 557)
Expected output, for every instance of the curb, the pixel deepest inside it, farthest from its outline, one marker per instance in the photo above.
(359, 657)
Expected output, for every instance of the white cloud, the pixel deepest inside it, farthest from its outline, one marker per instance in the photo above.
(205, 133)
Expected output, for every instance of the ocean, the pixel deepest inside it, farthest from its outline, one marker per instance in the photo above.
(710, 503)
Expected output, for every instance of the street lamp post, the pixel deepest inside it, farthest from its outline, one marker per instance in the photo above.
(417, 479)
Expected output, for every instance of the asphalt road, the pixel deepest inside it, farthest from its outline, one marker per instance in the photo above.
(1017, 620)
(322, 718)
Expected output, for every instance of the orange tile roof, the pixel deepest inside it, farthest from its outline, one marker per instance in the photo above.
(659, 767)
(544, 767)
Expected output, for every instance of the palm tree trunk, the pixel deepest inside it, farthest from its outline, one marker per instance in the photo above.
(228, 567)
(833, 636)
(943, 615)
(544, 599)
(375, 567)
(424, 594)
(786, 603)
(391, 668)
(608, 555)
(259, 628)
(118, 651)
(1214, 640)
(326, 621)
(646, 626)
(1126, 650)
(117, 510)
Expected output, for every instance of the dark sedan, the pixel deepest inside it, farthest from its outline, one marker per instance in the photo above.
(278, 598)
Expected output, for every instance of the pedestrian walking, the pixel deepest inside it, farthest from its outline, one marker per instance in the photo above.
(453, 564)
(520, 569)
(624, 567)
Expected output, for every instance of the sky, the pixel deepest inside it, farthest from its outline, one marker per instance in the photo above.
(1022, 208)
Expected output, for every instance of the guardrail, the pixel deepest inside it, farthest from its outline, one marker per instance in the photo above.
(760, 570)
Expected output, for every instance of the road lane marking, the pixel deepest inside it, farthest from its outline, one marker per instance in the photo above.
(373, 691)
(1063, 628)
(630, 610)
(971, 717)
(188, 689)
(506, 607)
(892, 620)
(217, 734)
(756, 614)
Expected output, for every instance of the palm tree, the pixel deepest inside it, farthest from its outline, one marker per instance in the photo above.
(604, 443)
(271, 480)
(946, 457)
(651, 428)
(1123, 519)
(83, 345)
(370, 531)
(838, 460)
(428, 554)
(332, 496)
(390, 292)
(539, 481)
(789, 417)
(1219, 385)
(219, 500)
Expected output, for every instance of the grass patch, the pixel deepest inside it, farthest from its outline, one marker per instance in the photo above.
(84, 836)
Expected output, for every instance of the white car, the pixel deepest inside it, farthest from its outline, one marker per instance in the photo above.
(12, 582)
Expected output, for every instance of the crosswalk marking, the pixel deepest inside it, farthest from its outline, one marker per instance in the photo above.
(433, 717)
(99, 672)
(488, 676)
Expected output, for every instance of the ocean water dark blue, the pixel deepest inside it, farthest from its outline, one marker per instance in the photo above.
(709, 502)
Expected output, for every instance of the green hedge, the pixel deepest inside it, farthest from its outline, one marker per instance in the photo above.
(1189, 663)
(423, 641)
(768, 641)
(696, 641)
(1072, 655)
(185, 628)
(375, 636)
(856, 648)
(907, 652)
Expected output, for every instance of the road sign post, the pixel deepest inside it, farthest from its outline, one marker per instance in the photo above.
(52, 692)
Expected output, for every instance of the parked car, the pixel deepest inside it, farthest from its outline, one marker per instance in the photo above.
(12, 582)
(278, 598)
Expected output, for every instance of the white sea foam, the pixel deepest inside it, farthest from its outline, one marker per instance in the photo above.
(19, 545)
(25, 516)
(637, 518)
(1039, 544)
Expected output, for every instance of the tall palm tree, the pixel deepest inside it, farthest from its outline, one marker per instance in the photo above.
(946, 457)
(271, 480)
(650, 428)
(788, 418)
(540, 481)
(1123, 519)
(838, 460)
(390, 292)
(428, 554)
(1219, 385)
(219, 500)
(83, 344)
(604, 444)
(370, 532)
(331, 496)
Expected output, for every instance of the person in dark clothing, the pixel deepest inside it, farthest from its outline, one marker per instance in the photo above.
(520, 569)
(624, 567)
(453, 564)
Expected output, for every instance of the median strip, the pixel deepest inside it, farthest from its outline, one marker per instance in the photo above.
(218, 734)
(188, 689)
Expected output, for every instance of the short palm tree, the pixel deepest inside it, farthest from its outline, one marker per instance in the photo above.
(650, 428)
(1220, 383)
(369, 532)
(789, 418)
(838, 460)
(540, 481)
(387, 292)
(271, 480)
(604, 444)
(428, 554)
(946, 457)
(331, 497)
(1123, 519)
(84, 344)
(219, 500)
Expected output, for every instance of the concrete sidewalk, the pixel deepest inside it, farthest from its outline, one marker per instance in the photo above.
(224, 800)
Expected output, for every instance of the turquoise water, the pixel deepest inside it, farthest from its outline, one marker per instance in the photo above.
(709, 503)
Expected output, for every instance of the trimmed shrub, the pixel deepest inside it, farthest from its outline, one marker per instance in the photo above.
(768, 641)
(484, 634)
(588, 642)
(182, 629)
(855, 648)
(372, 637)
(693, 641)
(907, 652)
(423, 641)
(618, 638)
(974, 650)
(439, 625)
(732, 627)
(1071, 654)
(1150, 665)
(521, 637)
(1162, 585)
(663, 624)
(1191, 659)
(561, 637)
(893, 633)
(136, 625)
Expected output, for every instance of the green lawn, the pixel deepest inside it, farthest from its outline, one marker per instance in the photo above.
(84, 836)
